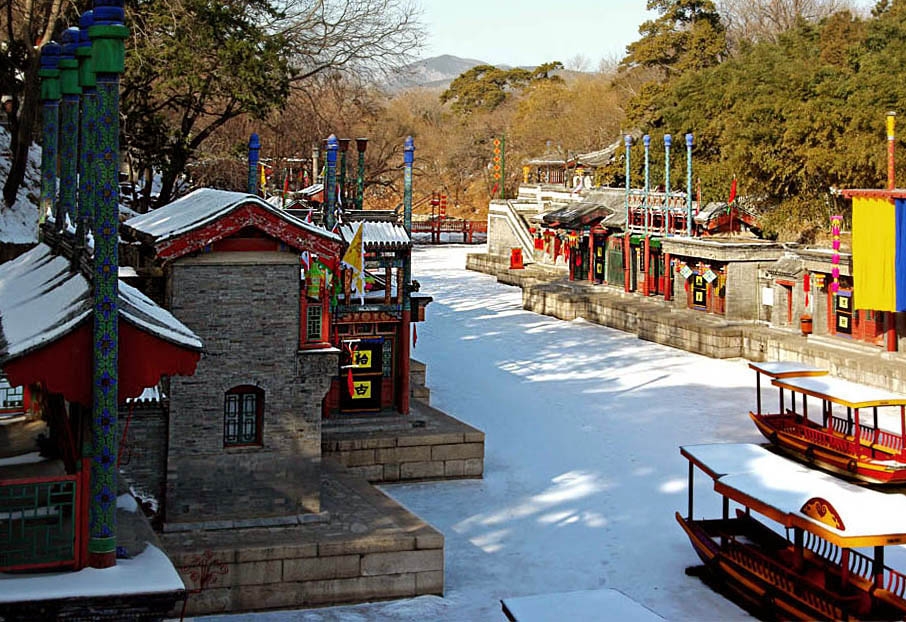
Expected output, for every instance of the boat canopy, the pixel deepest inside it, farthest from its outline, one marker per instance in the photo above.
(796, 496)
(786, 369)
(841, 392)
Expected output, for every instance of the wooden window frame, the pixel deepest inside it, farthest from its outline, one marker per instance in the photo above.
(244, 391)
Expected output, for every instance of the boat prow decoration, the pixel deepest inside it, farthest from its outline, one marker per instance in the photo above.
(823, 512)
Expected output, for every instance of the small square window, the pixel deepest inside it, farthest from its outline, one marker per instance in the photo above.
(314, 322)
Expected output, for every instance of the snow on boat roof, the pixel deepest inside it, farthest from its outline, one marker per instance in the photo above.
(782, 489)
(841, 391)
(201, 207)
(149, 572)
(378, 234)
(785, 369)
(580, 605)
(42, 299)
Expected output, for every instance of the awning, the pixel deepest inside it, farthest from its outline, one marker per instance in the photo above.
(46, 330)
(595, 207)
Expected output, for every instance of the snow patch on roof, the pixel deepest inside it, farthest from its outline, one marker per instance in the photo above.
(377, 234)
(202, 207)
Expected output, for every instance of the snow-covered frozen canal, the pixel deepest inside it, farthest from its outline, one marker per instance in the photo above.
(582, 469)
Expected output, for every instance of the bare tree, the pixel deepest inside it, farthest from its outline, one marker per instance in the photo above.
(757, 20)
(26, 24)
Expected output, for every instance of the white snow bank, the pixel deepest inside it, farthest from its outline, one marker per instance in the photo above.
(150, 572)
(19, 223)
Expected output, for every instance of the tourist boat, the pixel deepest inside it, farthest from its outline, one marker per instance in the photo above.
(870, 449)
(803, 563)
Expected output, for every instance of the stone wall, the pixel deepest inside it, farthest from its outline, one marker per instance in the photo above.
(144, 461)
(707, 334)
(245, 344)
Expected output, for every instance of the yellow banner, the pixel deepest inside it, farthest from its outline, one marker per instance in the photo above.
(361, 359)
(874, 254)
(361, 389)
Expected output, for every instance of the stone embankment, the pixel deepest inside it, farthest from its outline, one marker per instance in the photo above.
(547, 290)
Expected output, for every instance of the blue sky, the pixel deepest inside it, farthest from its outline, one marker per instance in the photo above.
(529, 32)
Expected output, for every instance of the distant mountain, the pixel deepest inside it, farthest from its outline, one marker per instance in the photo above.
(434, 72)
(438, 72)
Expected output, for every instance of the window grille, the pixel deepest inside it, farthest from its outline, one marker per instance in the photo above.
(242, 413)
(314, 322)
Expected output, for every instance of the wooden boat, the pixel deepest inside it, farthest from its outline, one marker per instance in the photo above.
(869, 449)
(803, 564)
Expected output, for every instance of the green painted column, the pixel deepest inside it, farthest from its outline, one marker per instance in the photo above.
(50, 126)
(86, 205)
(330, 183)
(408, 159)
(360, 144)
(344, 147)
(108, 36)
(69, 130)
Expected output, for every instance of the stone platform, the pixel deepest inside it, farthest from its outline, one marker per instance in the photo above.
(371, 548)
(426, 444)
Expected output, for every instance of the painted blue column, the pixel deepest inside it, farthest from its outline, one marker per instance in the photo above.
(86, 204)
(330, 183)
(108, 36)
(50, 126)
(666, 210)
(408, 159)
(254, 154)
(69, 129)
(689, 185)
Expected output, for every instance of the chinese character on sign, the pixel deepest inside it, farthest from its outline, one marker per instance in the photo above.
(362, 390)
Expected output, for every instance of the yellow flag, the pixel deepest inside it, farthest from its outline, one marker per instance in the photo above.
(263, 180)
(354, 259)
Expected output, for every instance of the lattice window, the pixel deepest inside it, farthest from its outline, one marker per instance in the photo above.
(313, 321)
(242, 415)
(11, 397)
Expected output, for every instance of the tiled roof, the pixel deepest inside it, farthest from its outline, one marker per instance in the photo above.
(378, 235)
(200, 208)
(42, 299)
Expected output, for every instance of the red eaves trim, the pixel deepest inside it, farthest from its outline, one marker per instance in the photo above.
(64, 366)
(247, 215)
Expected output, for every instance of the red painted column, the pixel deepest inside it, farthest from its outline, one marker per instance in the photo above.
(891, 184)
(404, 361)
(591, 258)
(668, 278)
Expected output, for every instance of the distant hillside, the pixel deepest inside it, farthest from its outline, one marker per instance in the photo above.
(438, 72)
(435, 72)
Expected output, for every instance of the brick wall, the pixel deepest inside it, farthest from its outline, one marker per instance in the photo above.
(244, 306)
(144, 460)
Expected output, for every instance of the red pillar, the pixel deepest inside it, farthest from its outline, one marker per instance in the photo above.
(591, 258)
(404, 362)
(668, 278)
(891, 184)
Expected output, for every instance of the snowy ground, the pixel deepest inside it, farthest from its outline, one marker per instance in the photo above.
(19, 222)
(582, 468)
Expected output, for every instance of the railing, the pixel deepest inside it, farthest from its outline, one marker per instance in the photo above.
(886, 440)
(785, 580)
(820, 437)
(468, 228)
(657, 213)
(859, 564)
(38, 522)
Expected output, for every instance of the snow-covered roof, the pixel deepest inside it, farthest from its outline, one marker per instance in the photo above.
(42, 299)
(784, 489)
(202, 207)
(786, 369)
(841, 391)
(378, 234)
(312, 190)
